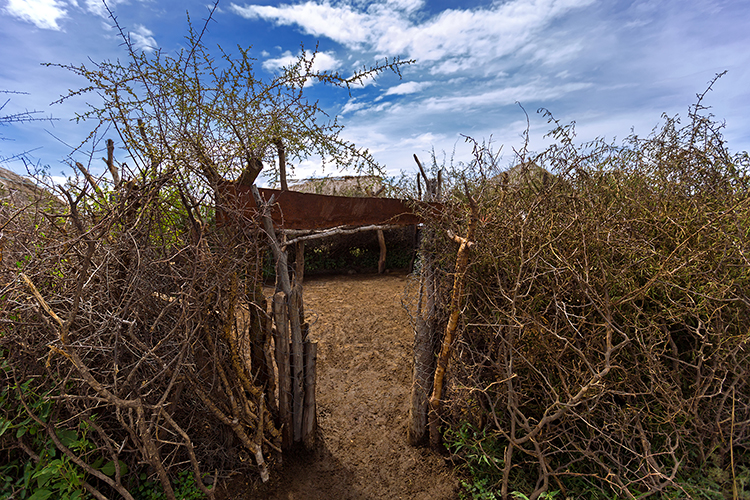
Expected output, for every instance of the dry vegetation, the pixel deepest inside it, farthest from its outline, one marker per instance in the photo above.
(603, 347)
(134, 337)
(122, 340)
(600, 349)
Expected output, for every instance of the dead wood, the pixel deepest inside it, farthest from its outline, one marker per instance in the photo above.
(462, 262)
(282, 340)
(310, 417)
(381, 258)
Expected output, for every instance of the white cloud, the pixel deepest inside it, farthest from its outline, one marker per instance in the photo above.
(460, 38)
(406, 5)
(45, 14)
(421, 142)
(338, 23)
(58, 180)
(276, 63)
(97, 7)
(407, 88)
(352, 105)
(324, 61)
(143, 39)
(531, 92)
(459, 101)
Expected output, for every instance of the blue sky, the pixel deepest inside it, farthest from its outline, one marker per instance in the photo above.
(611, 66)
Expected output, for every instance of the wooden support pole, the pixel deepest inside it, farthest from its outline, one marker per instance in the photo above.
(269, 356)
(278, 249)
(310, 417)
(304, 235)
(281, 318)
(381, 260)
(425, 340)
(425, 335)
(257, 333)
(295, 301)
(451, 330)
(300, 261)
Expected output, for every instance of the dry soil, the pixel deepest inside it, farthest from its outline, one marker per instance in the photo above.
(364, 374)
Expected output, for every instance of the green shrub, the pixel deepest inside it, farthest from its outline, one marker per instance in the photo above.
(184, 488)
(40, 471)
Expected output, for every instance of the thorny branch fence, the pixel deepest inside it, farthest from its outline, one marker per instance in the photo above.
(602, 340)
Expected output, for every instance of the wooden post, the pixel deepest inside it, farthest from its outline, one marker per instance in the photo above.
(297, 359)
(257, 330)
(278, 249)
(425, 337)
(414, 245)
(451, 330)
(300, 261)
(281, 317)
(269, 357)
(288, 315)
(381, 260)
(310, 417)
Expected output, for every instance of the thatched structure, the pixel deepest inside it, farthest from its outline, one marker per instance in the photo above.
(348, 185)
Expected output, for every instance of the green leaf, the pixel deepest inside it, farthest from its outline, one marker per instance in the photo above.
(40, 495)
(67, 437)
(4, 425)
(109, 468)
(50, 470)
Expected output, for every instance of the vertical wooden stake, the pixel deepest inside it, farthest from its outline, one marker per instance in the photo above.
(310, 419)
(297, 359)
(281, 317)
(381, 261)
(300, 261)
(257, 333)
(425, 338)
(451, 330)
(268, 359)
(425, 335)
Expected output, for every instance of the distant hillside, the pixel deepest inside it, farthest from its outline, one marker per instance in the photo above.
(18, 190)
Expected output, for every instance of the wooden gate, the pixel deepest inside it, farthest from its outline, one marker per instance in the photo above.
(300, 216)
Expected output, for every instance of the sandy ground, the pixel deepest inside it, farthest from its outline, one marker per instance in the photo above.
(364, 374)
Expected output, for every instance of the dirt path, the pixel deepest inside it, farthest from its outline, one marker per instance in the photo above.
(364, 374)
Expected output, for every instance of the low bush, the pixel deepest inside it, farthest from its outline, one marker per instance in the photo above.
(603, 341)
